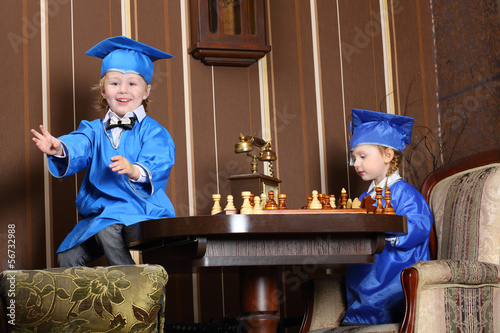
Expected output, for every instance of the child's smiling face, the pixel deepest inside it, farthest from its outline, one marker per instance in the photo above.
(124, 92)
(370, 163)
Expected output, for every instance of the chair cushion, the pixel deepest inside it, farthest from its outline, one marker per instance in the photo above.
(329, 301)
(118, 298)
(466, 210)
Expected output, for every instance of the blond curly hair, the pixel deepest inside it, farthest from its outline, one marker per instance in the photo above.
(395, 162)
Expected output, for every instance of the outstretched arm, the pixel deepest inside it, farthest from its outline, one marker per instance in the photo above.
(46, 142)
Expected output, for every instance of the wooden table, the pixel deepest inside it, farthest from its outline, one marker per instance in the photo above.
(258, 244)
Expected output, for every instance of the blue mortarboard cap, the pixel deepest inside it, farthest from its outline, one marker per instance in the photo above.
(126, 55)
(379, 128)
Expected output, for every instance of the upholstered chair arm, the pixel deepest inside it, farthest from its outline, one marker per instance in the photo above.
(442, 274)
(456, 272)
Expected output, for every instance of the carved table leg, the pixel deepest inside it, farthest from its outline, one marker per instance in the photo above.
(259, 299)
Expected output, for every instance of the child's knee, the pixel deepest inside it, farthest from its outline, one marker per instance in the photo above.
(70, 259)
(110, 231)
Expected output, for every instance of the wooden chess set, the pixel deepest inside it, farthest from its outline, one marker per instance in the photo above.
(317, 203)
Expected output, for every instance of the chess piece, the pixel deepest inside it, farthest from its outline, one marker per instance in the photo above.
(216, 208)
(326, 202)
(356, 203)
(271, 204)
(263, 200)
(332, 201)
(315, 203)
(349, 204)
(281, 199)
(246, 207)
(309, 200)
(321, 198)
(367, 203)
(257, 208)
(378, 198)
(251, 198)
(388, 207)
(230, 204)
(343, 198)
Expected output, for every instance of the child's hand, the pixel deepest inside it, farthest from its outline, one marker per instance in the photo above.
(46, 142)
(123, 166)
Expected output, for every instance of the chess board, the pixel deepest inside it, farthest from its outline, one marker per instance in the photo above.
(315, 211)
(304, 211)
(316, 204)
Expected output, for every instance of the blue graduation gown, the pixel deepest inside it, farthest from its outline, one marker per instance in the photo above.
(374, 292)
(105, 197)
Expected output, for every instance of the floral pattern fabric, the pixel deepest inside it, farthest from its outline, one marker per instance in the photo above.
(82, 299)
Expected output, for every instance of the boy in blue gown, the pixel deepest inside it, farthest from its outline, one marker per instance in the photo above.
(127, 156)
(374, 292)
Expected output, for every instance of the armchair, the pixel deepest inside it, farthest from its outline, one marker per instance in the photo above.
(460, 291)
(83, 299)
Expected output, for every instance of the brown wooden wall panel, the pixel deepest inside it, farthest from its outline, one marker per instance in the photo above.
(203, 134)
(331, 75)
(237, 104)
(415, 85)
(362, 55)
(295, 106)
(158, 23)
(61, 117)
(35, 227)
(363, 67)
(21, 186)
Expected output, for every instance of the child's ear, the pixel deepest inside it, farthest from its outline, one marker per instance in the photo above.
(388, 155)
(146, 93)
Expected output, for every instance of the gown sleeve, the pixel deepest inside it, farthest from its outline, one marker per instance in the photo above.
(78, 149)
(156, 157)
(410, 203)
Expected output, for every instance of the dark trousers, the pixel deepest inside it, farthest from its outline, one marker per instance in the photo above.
(110, 241)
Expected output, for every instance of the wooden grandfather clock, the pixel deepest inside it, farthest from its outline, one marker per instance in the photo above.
(228, 32)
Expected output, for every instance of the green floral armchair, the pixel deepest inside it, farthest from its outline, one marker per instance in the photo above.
(83, 299)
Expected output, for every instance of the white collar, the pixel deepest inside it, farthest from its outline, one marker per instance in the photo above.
(386, 182)
(139, 113)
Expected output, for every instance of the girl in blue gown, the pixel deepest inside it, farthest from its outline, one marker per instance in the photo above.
(374, 292)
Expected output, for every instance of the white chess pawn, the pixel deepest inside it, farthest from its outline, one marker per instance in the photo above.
(332, 201)
(246, 207)
(257, 207)
(349, 203)
(263, 200)
(230, 203)
(315, 203)
(216, 209)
